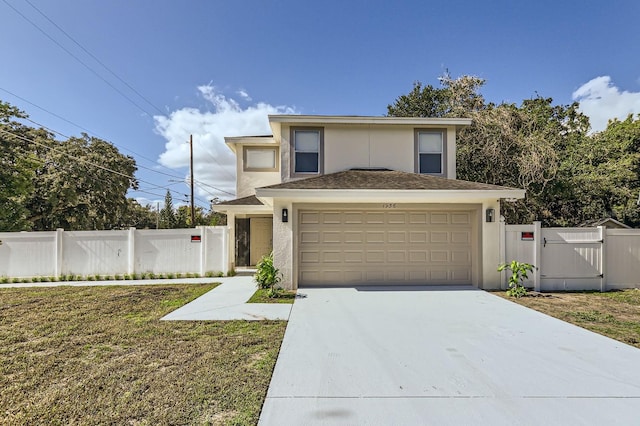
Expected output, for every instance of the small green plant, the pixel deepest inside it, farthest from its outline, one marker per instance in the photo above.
(268, 276)
(171, 275)
(519, 273)
(4, 280)
(231, 272)
(127, 277)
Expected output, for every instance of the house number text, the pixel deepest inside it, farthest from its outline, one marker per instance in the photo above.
(389, 206)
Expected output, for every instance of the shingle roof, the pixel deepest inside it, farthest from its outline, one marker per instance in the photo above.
(251, 200)
(384, 179)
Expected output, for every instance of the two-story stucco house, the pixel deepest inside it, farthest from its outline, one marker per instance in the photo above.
(345, 200)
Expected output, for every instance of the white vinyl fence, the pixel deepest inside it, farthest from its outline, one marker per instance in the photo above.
(576, 258)
(31, 254)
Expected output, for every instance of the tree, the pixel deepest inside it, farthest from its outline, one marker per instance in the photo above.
(518, 146)
(215, 218)
(167, 213)
(138, 216)
(16, 170)
(81, 183)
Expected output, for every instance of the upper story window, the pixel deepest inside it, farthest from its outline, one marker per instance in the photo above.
(431, 152)
(260, 159)
(307, 150)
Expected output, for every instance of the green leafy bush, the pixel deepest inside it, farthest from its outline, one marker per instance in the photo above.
(268, 276)
(519, 273)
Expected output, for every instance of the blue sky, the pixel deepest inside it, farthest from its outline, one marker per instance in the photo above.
(216, 68)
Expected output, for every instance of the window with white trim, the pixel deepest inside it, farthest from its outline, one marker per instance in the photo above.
(260, 158)
(307, 147)
(430, 155)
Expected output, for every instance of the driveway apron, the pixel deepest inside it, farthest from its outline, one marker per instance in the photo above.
(436, 355)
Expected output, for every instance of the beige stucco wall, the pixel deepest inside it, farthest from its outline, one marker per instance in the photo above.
(353, 146)
(283, 237)
(247, 182)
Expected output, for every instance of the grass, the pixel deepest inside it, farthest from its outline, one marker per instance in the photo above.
(100, 355)
(614, 314)
(260, 296)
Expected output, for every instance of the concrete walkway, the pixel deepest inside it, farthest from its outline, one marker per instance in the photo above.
(225, 302)
(444, 356)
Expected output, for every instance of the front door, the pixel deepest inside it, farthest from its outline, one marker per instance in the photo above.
(261, 235)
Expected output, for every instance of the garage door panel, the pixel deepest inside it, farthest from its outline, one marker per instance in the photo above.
(310, 257)
(418, 256)
(374, 218)
(353, 218)
(461, 218)
(376, 237)
(439, 237)
(330, 237)
(309, 218)
(396, 276)
(331, 256)
(461, 257)
(375, 256)
(439, 219)
(417, 237)
(396, 256)
(375, 276)
(307, 237)
(461, 275)
(439, 256)
(394, 247)
(418, 218)
(353, 276)
(461, 237)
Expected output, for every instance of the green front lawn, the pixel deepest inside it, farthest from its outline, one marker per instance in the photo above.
(100, 355)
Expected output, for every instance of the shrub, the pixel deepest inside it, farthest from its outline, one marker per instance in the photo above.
(268, 276)
(519, 273)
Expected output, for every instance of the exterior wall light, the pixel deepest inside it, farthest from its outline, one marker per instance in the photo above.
(490, 215)
(285, 215)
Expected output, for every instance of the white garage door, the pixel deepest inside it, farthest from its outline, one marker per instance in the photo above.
(385, 247)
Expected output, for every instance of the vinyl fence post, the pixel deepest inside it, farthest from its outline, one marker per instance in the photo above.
(503, 251)
(204, 253)
(537, 254)
(59, 253)
(603, 258)
(131, 248)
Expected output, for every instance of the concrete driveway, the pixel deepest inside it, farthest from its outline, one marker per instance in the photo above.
(444, 356)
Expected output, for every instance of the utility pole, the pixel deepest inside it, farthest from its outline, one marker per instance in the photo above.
(193, 210)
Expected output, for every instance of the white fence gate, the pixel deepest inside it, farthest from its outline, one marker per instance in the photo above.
(576, 258)
(32, 254)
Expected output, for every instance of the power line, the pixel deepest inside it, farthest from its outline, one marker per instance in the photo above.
(78, 59)
(215, 159)
(199, 183)
(82, 160)
(95, 58)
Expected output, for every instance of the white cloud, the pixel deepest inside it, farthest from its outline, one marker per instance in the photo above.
(244, 95)
(601, 101)
(214, 163)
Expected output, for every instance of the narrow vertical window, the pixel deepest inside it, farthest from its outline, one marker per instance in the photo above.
(307, 151)
(430, 152)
